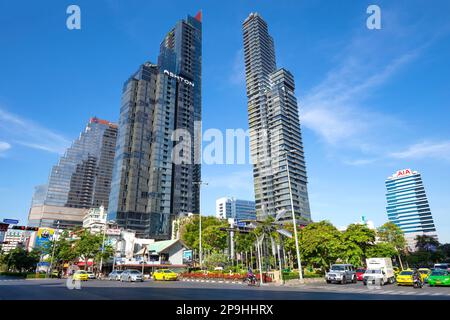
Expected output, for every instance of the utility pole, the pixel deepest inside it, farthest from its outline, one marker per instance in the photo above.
(300, 275)
(199, 183)
(102, 209)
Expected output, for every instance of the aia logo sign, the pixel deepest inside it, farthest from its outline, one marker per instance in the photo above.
(404, 172)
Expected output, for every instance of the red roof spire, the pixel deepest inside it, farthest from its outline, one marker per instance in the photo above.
(198, 16)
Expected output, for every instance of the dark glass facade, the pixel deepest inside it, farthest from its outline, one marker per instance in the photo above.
(160, 119)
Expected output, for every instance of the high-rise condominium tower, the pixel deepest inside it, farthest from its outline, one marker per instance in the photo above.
(160, 115)
(80, 181)
(407, 205)
(275, 133)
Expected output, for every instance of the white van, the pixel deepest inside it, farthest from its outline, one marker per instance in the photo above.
(379, 270)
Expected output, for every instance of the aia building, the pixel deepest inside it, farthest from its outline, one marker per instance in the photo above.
(408, 207)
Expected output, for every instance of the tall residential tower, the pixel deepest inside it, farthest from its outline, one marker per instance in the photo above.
(407, 205)
(157, 169)
(275, 134)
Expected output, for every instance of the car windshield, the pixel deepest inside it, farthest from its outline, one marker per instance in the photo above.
(134, 272)
(441, 266)
(423, 271)
(439, 273)
(83, 272)
(406, 273)
(360, 270)
(168, 271)
(373, 271)
(337, 268)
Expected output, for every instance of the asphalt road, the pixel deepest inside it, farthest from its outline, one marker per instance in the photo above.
(55, 289)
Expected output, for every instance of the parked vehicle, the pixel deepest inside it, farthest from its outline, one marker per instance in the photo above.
(115, 275)
(131, 275)
(443, 266)
(359, 273)
(91, 275)
(341, 273)
(164, 274)
(439, 277)
(405, 277)
(80, 275)
(379, 271)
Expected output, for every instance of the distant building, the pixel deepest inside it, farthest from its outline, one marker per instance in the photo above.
(80, 181)
(95, 219)
(407, 205)
(228, 207)
(15, 238)
(368, 223)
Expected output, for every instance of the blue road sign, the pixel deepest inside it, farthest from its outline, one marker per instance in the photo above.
(10, 221)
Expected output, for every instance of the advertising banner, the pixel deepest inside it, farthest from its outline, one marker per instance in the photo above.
(44, 235)
(187, 256)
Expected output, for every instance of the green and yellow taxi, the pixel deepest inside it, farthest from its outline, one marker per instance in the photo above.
(439, 277)
(80, 275)
(424, 273)
(164, 274)
(405, 278)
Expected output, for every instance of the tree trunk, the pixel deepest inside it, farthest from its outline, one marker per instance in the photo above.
(400, 261)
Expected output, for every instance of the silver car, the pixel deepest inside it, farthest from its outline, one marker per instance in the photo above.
(115, 275)
(131, 275)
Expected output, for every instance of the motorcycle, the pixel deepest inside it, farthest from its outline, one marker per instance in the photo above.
(252, 281)
(417, 283)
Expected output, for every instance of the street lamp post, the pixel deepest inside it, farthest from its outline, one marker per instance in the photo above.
(53, 249)
(200, 227)
(300, 275)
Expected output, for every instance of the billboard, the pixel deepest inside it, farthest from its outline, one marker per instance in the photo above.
(44, 235)
(187, 256)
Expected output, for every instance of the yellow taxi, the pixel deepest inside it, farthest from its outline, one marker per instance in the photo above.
(405, 277)
(164, 274)
(424, 273)
(80, 275)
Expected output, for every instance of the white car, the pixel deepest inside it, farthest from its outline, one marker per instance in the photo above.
(131, 275)
(91, 275)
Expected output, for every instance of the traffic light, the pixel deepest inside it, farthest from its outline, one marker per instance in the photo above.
(25, 228)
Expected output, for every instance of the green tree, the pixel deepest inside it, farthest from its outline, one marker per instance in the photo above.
(355, 242)
(215, 239)
(21, 260)
(391, 233)
(64, 250)
(88, 246)
(320, 244)
(215, 259)
(426, 243)
(381, 250)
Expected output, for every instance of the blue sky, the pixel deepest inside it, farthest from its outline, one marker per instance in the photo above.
(371, 101)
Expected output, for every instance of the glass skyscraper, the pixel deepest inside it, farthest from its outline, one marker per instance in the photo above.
(238, 209)
(407, 205)
(160, 114)
(275, 134)
(81, 180)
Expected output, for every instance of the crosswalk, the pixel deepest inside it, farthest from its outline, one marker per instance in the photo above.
(385, 291)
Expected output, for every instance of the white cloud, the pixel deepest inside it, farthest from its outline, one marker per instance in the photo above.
(237, 76)
(4, 146)
(434, 150)
(30, 134)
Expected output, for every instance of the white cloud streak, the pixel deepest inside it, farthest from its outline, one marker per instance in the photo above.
(30, 134)
(427, 149)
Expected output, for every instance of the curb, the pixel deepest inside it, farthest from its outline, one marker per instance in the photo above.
(211, 281)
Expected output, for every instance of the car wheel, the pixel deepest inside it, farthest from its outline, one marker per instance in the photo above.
(344, 281)
(354, 279)
(328, 281)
